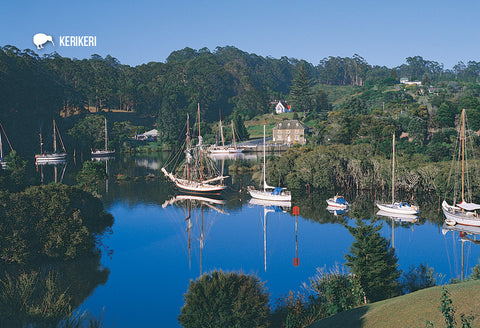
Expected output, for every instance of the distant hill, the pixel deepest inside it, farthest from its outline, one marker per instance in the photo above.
(412, 310)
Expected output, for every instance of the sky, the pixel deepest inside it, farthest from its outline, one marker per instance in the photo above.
(384, 32)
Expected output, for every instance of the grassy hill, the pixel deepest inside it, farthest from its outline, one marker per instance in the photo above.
(412, 310)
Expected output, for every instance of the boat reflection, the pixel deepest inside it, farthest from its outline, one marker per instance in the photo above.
(466, 234)
(191, 204)
(268, 207)
(398, 218)
(337, 211)
(59, 168)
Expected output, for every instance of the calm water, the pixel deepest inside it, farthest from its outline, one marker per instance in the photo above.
(155, 250)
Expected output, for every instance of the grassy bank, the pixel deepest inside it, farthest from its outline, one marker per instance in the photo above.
(412, 310)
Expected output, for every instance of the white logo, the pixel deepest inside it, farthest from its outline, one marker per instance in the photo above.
(41, 38)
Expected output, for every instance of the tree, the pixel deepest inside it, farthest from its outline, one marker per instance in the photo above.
(240, 129)
(373, 260)
(221, 299)
(418, 277)
(300, 93)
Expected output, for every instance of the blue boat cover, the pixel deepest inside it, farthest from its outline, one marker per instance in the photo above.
(341, 200)
(276, 191)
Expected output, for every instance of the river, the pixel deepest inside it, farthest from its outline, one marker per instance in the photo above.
(161, 240)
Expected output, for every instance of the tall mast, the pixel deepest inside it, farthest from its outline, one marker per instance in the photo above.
(264, 162)
(187, 143)
(106, 135)
(233, 134)
(393, 170)
(221, 129)
(200, 144)
(54, 138)
(1, 148)
(462, 138)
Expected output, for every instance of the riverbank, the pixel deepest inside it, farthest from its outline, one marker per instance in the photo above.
(411, 310)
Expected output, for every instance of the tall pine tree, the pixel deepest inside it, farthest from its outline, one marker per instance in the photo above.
(300, 95)
(373, 260)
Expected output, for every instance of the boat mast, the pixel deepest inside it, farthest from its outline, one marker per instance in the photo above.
(462, 138)
(54, 138)
(221, 129)
(233, 134)
(106, 135)
(187, 142)
(264, 163)
(1, 148)
(200, 143)
(393, 170)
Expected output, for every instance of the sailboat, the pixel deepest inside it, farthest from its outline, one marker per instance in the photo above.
(225, 149)
(104, 152)
(3, 164)
(48, 157)
(198, 173)
(269, 192)
(397, 207)
(465, 212)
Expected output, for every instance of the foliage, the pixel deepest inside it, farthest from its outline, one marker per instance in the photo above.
(336, 290)
(89, 132)
(90, 176)
(418, 277)
(220, 299)
(295, 311)
(52, 221)
(14, 179)
(373, 261)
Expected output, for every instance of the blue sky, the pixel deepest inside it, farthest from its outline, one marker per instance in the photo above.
(137, 32)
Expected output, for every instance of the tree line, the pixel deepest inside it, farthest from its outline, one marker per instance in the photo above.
(34, 89)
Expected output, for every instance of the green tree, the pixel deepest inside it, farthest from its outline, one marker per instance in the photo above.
(337, 291)
(300, 94)
(418, 277)
(221, 299)
(90, 176)
(240, 129)
(373, 260)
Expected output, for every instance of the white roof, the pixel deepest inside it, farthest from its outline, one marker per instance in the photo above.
(153, 133)
(469, 206)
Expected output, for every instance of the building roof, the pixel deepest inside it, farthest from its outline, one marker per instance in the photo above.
(290, 124)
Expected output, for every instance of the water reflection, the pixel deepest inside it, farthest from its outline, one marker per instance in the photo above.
(269, 207)
(463, 234)
(196, 209)
(401, 219)
(46, 168)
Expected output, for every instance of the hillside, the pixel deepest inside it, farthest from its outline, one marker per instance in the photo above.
(412, 310)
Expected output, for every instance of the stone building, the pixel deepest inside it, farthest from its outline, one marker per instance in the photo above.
(290, 132)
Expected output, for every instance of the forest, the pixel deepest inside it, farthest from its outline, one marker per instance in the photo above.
(345, 100)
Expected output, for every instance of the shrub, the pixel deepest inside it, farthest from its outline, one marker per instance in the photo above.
(222, 299)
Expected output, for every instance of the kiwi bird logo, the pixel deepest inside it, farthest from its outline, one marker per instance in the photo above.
(41, 38)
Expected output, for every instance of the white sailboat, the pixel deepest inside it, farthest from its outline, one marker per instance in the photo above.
(463, 213)
(51, 157)
(100, 153)
(198, 173)
(223, 149)
(338, 202)
(269, 192)
(3, 164)
(397, 207)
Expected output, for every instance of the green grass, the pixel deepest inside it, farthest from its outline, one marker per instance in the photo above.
(412, 310)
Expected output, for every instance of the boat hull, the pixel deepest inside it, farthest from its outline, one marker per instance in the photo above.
(103, 153)
(225, 150)
(50, 158)
(398, 208)
(454, 215)
(331, 202)
(266, 195)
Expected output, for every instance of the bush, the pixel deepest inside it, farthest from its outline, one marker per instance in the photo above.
(222, 299)
(418, 277)
(336, 290)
